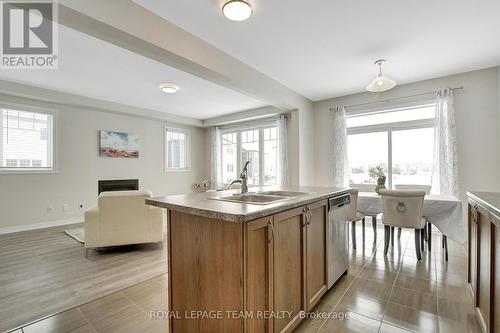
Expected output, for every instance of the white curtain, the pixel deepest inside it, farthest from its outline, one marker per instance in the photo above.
(340, 159)
(215, 158)
(282, 174)
(445, 175)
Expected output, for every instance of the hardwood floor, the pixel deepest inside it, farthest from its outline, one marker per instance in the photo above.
(43, 272)
(380, 294)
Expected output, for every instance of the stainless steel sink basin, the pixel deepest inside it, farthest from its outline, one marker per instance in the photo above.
(252, 198)
(283, 193)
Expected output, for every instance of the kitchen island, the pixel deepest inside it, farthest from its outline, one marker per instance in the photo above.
(246, 267)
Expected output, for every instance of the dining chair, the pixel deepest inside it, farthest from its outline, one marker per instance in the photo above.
(353, 215)
(427, 190)
(403, 209)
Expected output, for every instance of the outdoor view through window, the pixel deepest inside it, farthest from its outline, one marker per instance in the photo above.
(26, 142)
(259, 146)
(400, 141)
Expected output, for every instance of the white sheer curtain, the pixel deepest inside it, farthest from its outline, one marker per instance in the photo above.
(215, 158)
(445, 175)
(340, 159)
(282, 173)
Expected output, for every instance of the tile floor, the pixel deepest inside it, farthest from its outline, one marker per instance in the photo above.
(380, 294)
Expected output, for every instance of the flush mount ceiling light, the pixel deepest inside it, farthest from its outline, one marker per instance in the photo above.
(237, 10)
(168, 88)
(381, 82)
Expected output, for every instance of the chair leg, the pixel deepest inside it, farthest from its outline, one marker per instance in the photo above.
(399, 232)
(353, 233)
(445, 247)
(422, 243)
(87, 252)
(442, 240)
(387, 235)
(429, 235)
(374, 225)
(363, 230)
(417, 244)
(392, 236)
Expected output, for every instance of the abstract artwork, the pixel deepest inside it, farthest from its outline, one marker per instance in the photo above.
(117, 144)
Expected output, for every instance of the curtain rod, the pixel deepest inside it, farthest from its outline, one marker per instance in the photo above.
(395, 98)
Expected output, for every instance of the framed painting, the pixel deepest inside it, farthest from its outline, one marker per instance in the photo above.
(118, 144)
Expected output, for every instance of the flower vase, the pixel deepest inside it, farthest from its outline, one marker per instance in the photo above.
(380, 184)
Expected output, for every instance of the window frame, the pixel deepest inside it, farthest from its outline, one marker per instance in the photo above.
(389, 128)
(52, 146)
(187, 133)
(239, 163)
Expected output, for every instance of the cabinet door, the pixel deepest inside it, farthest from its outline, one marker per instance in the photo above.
(484, 284)
(259, 273)
(472, 251)
(316, 252)
(289, 280)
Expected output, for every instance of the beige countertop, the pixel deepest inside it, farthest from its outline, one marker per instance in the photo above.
(199, 204)
(490, 200)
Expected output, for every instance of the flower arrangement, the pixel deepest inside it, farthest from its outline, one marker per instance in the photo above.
(378, 174)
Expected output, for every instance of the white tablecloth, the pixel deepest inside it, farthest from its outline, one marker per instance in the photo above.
(445, 212)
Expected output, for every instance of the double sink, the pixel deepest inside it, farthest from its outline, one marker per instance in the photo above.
(260, 198)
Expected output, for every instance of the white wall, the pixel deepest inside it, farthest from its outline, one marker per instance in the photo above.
(477, 121)
(306, 145)
(24, 198)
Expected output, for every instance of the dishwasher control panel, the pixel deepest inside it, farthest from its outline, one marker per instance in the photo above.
(339, 201)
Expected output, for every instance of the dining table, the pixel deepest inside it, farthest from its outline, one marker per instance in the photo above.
(443, 211)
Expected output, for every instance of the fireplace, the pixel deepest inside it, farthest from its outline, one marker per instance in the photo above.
(117, 185)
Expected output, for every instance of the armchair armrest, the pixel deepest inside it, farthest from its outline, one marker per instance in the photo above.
(156, 220)
(91, 226)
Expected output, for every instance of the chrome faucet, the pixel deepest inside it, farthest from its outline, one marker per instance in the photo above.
(243, 179)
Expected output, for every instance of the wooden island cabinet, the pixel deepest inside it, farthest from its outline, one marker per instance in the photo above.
(483, 257)
(257, 276)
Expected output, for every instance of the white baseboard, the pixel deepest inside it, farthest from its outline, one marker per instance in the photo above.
(43, 225)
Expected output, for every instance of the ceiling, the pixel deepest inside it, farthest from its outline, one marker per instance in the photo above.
(326, 48)
(93, 68)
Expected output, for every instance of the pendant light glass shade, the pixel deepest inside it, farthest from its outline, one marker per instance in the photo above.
(381, 82)
(237, 10)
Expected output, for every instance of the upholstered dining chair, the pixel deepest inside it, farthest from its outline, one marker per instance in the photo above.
(428, 225)
(353, 215)
(403, 209)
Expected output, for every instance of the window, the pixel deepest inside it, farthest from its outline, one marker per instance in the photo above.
(176, 149)
(259, 146)
(11, 163)
(26, 137)
(24, 163)
(401, 141)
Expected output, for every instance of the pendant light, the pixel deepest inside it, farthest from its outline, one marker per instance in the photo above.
(237, 10)
(381, 82)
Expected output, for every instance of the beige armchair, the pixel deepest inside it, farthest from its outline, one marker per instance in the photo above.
(121, 218)
(403, 209)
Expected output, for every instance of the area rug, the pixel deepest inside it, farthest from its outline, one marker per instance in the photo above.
(77, 233)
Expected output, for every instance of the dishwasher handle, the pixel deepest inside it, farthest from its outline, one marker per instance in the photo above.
(339, 201)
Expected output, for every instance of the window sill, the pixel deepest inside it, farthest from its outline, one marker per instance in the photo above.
(176, 170)
(27, 172)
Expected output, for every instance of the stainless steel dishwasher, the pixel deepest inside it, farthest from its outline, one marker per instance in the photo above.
(338, 258)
